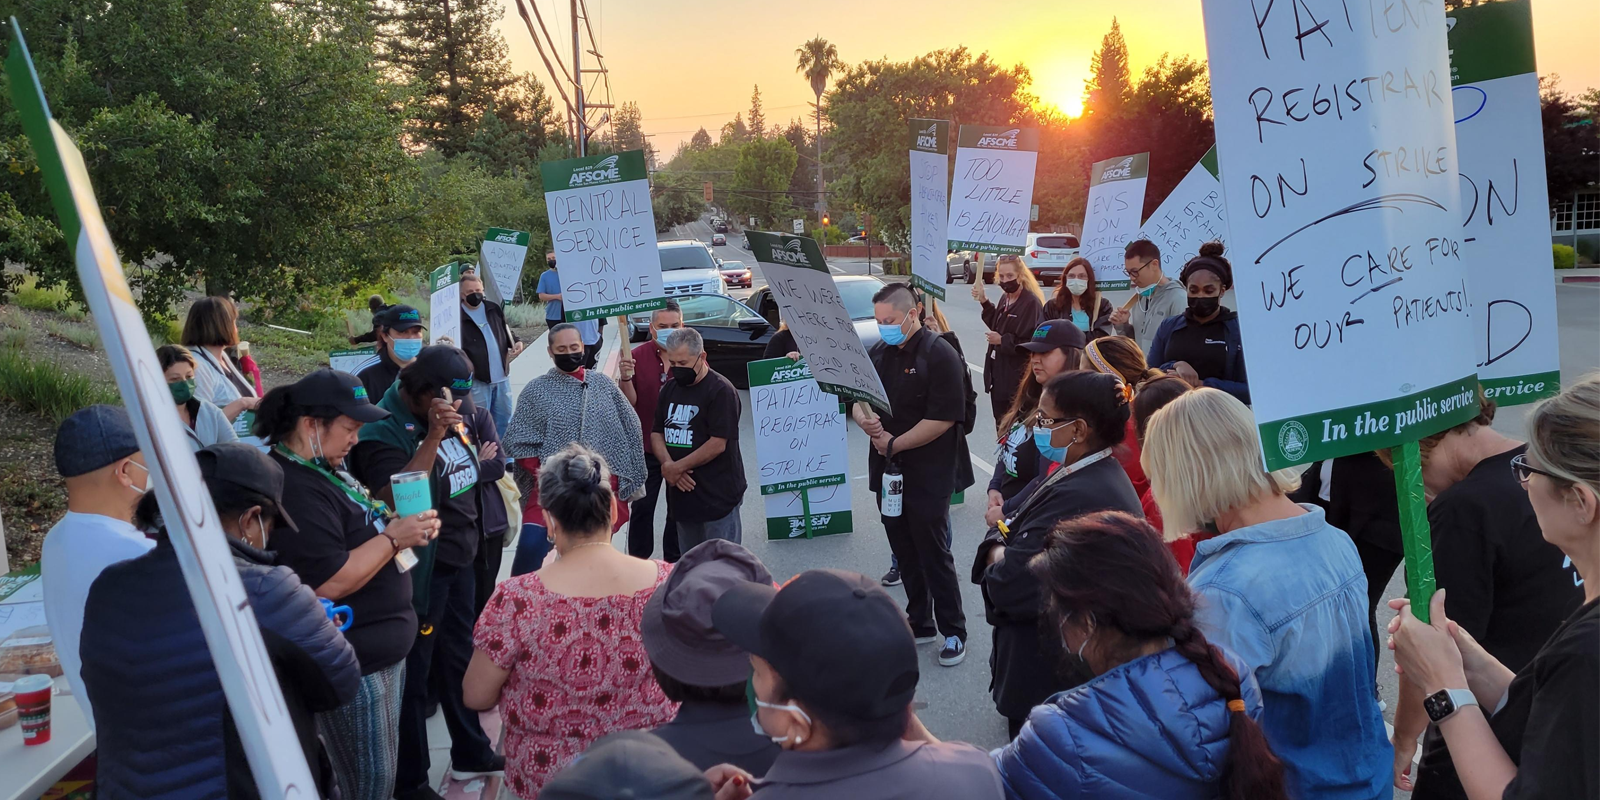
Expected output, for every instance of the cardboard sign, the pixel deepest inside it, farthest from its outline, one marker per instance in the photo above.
(800, 448)
(1505, 234)
(1191, 216)
(930, 203)
(353, 360)
(605, 235)
(993, 189)
(226, 618)
(809, 302)
(444, 305)
(1111, 215)
(501, 257)
(1338, 153)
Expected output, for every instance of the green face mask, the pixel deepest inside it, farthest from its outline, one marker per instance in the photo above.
(182, 391)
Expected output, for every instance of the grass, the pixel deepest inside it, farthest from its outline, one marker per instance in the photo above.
(32, 296)
(47, 390)
(13, 318)
(524, 315)
(77, 333)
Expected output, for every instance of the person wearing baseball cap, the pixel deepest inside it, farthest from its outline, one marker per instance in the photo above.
(835, 669)
(399, 332)
(629, 764)
(697, 667)
(1056, 346)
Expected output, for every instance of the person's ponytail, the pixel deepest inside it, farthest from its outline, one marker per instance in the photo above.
(1252, 771)
(276, 416)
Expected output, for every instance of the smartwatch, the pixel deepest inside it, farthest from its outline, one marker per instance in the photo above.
(1443, 704)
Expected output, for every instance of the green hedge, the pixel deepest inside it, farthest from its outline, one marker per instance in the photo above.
(1565, 257)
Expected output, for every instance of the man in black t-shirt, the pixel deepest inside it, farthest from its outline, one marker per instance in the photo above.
(922, 375)
(696, 439)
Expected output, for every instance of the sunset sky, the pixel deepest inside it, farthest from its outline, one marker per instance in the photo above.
(693, 64)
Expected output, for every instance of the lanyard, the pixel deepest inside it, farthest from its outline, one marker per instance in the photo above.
(1055, 477)
(352, 488)
(239, 384)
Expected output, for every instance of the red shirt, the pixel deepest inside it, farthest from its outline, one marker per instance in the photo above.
(648, 375)
(1127, 454)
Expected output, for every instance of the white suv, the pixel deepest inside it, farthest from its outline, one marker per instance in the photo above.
(1048, 253)
(687, 267)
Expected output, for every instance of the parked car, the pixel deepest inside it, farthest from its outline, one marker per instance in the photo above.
(1047, 255)
(734, 333)
(689, 266)
(736, 273)
(718, 239)
(720, 226)
(958, 264)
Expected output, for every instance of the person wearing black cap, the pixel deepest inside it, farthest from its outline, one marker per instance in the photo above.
(631, 765)
(164, 728)
(346, 549)
(451, 447)
(834, 673)
(399, 332)
(1056, 346)
(1203, 344)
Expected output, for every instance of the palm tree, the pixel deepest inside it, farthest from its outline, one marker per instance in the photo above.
(818, 59)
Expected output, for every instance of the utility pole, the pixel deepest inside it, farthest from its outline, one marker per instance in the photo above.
(577, 82)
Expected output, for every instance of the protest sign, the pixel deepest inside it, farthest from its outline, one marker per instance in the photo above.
(800, 449)
(930, 203)
(1191, 216)
(444, 305)
(223, 608)
(353, 360)
(1505, 236)
(501, 257)
(1111, 215)
(605, 235)
(809, 302)
(993, 189)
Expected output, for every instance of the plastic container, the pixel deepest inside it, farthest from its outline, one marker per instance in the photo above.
(30, 651)
(8, 706)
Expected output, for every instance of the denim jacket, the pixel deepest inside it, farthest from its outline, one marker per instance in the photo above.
(1289, 598)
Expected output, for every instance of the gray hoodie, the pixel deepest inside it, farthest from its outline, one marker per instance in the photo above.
(1168, 300)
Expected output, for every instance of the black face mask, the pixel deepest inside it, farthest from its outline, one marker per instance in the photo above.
(1203, 307)
(568, 362)
(551, 263)
(1009, 287)
(683, 375)
(475, 299)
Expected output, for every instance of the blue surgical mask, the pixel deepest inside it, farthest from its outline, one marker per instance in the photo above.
(661, 337)
(892, 334)
(1041, 440)
(406, 349)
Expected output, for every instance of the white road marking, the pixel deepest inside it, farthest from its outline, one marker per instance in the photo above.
(975, 369)
(983, 465)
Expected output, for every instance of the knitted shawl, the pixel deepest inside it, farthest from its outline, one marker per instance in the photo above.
(556, 409)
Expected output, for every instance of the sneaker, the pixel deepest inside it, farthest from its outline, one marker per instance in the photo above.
(891, 578)
(496, 766)
(954, 651)
(926, 638)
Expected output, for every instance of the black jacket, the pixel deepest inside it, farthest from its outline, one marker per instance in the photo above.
(380, 376)
(478, 350)
(1061, 307)
(1003, 365)
(492, 519)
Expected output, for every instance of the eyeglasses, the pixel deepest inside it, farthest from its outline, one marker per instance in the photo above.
(1141, 267)
(1042, 421)
(1523, 470)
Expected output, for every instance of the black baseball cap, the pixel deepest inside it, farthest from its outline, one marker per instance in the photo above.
(629, 765)
(338, 390)
(399, 318)
(1054, 334)
(836, 638)
(444, 366)
(243, 465)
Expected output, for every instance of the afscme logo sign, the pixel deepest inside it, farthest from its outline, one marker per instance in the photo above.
(794, 373)
(791, 254)
(1121, 169)
(508, 237)
(1006, 139)
(602, 172)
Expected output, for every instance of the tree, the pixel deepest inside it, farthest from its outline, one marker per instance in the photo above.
(450, 55)
(497, 148)
(1169, 116)
(1109, 82)
(734, 131)
(802, 184)
(761, 178)
(818, 59)
(627, 131)
(700, 140)
(758, 120)
(1571, 140)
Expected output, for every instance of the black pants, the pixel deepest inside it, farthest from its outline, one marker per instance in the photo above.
(591, 354)
(920, 539)
(486, 570)
(444, 644)
(642, 519)
(1014, 726)
(1379, 564)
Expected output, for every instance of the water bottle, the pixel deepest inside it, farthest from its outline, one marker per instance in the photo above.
(894, 489)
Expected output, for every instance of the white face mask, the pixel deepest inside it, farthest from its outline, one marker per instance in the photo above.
(1077, 286)
(260, 528)
(149, 481)
(755, 721)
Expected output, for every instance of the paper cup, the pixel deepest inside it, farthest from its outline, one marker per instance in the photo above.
(33, 705)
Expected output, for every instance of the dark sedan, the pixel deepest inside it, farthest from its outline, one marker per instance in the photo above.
(734, 334)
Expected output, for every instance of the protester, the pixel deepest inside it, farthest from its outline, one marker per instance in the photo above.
(1203, 345)
(642, 375)
(631, 764)
(98, 457)
(1169, 715)
(1121, 356)
(210, 329)
(164, 729)
(1010, 323)
(398, 329)
(1056, 347)
(426, 432)
(549, 291)
(375, 306)
(918, 370)
(1082, 417)
(1534, 732)
(782, 344)
(571, 404)
(1152, 396)
(559, 649)
(202, 422)
(347, 549)
(697, 667)
(1159, 297)
(1279, 588)
(835, 671)
(493, 515)
(1509, 587)
(491, 344)
(1078, 300)
(696, 439)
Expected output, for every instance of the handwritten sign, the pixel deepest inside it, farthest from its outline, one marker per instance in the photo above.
(501, 256)
(1505, 234)
(226, 618)
(604, 235)
(930, 203)
(1191, 216)
(444, 304)
(800, 447)
(1338, 154)
(1111, 215)
(353, 360)
(993, 189)
(809, 302)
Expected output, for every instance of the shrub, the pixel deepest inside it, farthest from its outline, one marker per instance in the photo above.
(83, 336)
(32, 296)
(1565, 257)
(46, 389)
(524, 315)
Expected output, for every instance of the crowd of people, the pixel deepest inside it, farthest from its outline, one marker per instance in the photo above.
(1168, 617)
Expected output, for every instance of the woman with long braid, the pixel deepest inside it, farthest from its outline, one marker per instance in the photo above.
(1168, 714)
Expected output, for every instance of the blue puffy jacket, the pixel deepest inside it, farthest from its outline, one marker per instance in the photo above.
(1151, 727)
(163, 728)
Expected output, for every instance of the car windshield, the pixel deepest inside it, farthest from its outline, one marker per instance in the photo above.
(1057, 242)
(857, 297)
(733, 265)
(686, 258)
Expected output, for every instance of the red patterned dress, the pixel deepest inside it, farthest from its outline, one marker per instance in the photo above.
(578, 672)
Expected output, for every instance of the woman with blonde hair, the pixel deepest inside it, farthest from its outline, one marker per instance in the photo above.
(1279, 587)
(1121, 356)
(1011, 322)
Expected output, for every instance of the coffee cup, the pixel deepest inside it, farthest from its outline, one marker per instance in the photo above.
(33, 706)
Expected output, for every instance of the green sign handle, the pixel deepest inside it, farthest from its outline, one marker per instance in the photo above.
(805, 508)
(1414, 530)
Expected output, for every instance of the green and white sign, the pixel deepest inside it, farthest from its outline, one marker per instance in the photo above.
(1338, 151)
(354, 360)
(809, 302)
(223, 608)
(444, 304)
(993, 189)
(1505, 233)
(930, 203)
(1191, 216)
(1111, 215)
(501, 257)
(800, 449)
(604, 235)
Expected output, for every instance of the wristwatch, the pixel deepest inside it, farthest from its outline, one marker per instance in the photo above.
(1443, 704)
